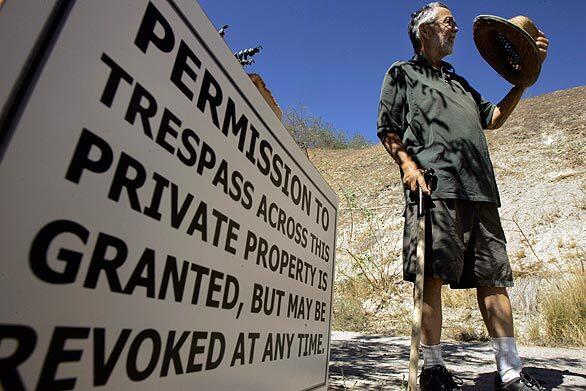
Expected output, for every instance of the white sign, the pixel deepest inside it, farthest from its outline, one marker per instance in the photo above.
(160, 228)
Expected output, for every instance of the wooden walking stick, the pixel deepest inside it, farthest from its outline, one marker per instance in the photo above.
(418, 287)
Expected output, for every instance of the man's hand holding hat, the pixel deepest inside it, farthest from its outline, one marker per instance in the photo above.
(542, 43)
(515, 48)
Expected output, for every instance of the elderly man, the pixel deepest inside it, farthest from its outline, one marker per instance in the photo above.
(430, 117)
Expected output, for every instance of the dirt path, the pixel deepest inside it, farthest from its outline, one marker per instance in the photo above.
(374, 362)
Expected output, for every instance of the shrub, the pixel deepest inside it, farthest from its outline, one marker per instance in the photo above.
(309, 131)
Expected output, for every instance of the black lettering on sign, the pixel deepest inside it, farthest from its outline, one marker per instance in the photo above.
(132, 182)
(216, 338)
(238, 127)
(322, 216)
(100, 263)
(181, 66)
(186, 140)
(278, 219)
(266, 299)
(245, 194)
(172, 353)
(310, 344)
(26, 340)
(145, 263)
(214, 287)
(117, 73)
(240, 348)
(199, 221)
(146, 32)
(299, 307)
(277, 260)
(40, 247)
(81, 157)
(278, 347)
(195, 350)
(161, 183)
(320, 311)
(146, 110)
(323, 280)
(231, 288)
(57, 354)
(210, 94)
(231, 233)
(209, 98)
(211, 362)
(108, 261)
(150, 342)
(263, 164)
(132, 370)
(200, 271)
(276, 174)
(320, 248)
(130, 176)
(207, 158)
(166, 129)
(252, 145)
(221, 176)
(139, 352)
(177, 282)
(103, 366)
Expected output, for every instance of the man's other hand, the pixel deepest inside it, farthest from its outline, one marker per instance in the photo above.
(413, 177)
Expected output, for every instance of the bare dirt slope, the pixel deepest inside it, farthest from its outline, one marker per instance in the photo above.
(540, 163)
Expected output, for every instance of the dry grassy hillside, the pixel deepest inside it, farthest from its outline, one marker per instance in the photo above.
(540, 163)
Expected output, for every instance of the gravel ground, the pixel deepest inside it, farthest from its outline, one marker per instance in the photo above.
(375, 362)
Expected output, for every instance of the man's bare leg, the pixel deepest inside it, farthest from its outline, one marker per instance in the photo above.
(495, 307)
(431, 322)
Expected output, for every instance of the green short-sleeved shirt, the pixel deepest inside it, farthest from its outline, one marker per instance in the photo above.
(440, 119)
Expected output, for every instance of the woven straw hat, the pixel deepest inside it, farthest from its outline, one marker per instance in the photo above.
(509, 47)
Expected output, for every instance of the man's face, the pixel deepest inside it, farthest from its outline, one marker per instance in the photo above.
(441, 34)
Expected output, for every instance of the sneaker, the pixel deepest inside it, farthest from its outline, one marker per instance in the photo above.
(525, 382)
(438, 378)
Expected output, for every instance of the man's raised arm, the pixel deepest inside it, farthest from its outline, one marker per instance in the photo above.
(505, 107)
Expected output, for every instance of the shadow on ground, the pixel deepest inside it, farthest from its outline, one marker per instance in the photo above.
(551, 378)
(380, 363)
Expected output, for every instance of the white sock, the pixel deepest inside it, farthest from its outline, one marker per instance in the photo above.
(508, 362)
(432, 355)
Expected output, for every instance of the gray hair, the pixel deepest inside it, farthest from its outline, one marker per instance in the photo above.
(424, 15)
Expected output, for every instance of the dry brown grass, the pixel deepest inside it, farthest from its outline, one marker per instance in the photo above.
(468, 333)
(349, 314)
(458, 298)
(563, 314)
(462, 317)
